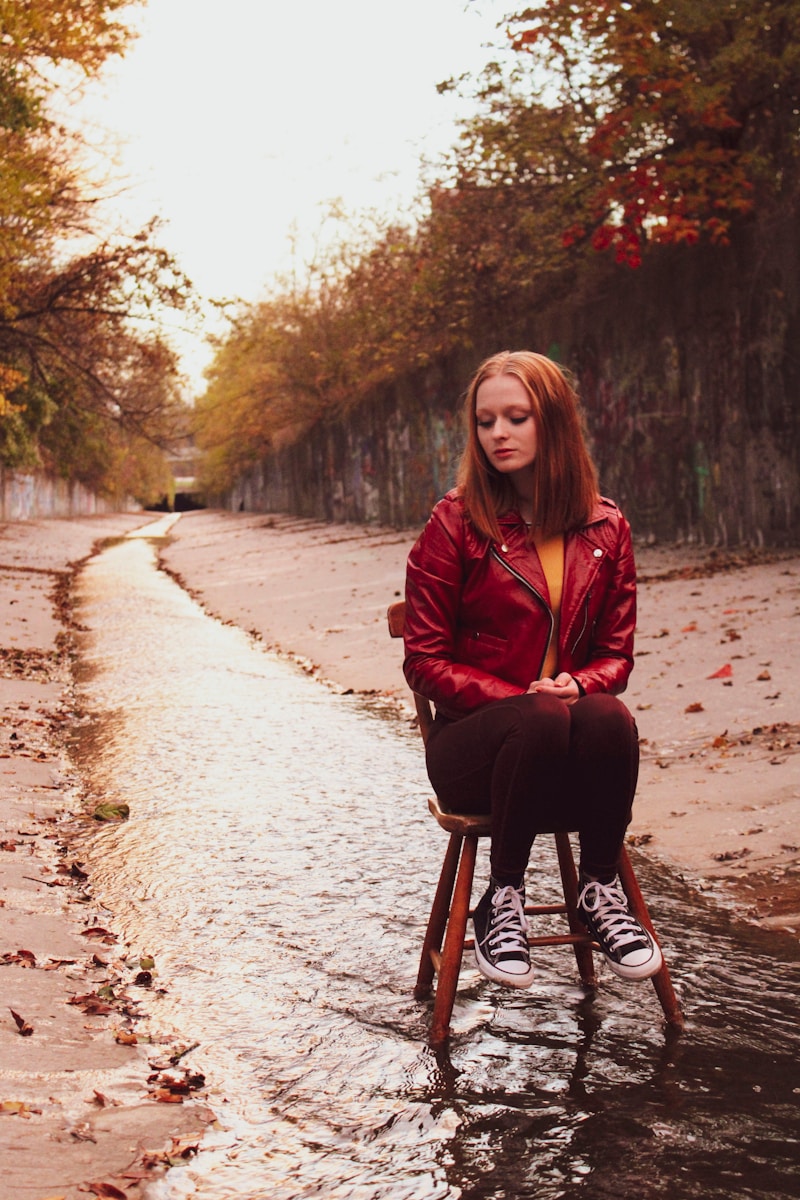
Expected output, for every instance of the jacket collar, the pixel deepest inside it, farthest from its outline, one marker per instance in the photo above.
(600, 512)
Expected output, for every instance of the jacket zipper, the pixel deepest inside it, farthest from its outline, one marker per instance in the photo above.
(539, 597)
(585, 622)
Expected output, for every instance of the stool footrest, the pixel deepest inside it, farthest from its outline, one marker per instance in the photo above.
(447, 937)
(541, 910)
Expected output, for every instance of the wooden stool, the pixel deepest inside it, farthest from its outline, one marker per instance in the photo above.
(446, 934)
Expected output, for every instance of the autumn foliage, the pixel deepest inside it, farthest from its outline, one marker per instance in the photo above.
(687, 110)
(613, 130)
(88, 387)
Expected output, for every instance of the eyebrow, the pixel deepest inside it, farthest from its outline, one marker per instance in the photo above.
(509, 408)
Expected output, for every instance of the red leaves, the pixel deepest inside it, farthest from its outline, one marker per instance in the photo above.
(625, 240)
(662, 100)
(575, 233)
(25, 958)
(171, 1089)
(725, 672)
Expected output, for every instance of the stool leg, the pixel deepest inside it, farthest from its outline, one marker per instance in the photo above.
(450, 963)
(437, 921)
(661, 980)
(569, 882)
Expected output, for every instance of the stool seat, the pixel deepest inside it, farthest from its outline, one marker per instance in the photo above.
(461, 823)
(446, 934)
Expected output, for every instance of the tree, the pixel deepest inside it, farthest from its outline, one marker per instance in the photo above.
(86, 379)
(688, 110)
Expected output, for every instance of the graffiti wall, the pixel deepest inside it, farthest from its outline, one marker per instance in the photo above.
(689, 374)
(28, 496)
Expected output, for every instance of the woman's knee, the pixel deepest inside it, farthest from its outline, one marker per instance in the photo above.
(536, 715)
(605, 720)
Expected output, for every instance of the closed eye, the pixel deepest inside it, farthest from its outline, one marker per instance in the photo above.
(516, 419)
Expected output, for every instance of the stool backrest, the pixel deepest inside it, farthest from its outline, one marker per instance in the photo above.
(396, 616)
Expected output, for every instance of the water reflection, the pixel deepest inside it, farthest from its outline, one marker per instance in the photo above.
(279, 863)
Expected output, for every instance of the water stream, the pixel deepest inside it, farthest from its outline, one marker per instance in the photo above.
(279, 863)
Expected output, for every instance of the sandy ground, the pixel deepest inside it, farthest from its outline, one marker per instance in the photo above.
(86, 1099)
(87, 1090)
(715, 692)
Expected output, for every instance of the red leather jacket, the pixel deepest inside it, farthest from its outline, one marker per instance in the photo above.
(478, 620)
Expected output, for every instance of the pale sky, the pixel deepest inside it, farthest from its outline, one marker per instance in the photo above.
(237, 121)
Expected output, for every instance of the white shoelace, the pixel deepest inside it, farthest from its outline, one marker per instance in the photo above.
(508, 925)
(610, 905)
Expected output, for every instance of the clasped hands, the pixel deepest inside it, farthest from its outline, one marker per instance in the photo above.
(563, 687)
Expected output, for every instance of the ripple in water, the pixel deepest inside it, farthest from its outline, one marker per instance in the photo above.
(279, 864)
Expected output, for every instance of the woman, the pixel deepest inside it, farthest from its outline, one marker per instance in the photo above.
(520, 614)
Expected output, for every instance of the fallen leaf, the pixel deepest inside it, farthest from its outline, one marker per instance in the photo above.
(109, 1190)
(764, 675)
(730, 855)
(91, 1004)
(125, 1039)
(24, 1028)
(111, 812)
(165, 1096)
(723, 673)
(694, 708)
(73, 870)
(99, 934)
(15, 1108)
(691, 628)
(25, 957)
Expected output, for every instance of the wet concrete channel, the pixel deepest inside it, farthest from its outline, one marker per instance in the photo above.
(278, 864)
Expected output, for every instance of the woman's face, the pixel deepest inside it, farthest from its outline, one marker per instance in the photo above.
(506, 424)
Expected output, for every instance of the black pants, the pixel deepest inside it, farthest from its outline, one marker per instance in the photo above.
(538, 765)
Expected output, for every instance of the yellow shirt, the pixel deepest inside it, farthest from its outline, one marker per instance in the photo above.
(551, 556)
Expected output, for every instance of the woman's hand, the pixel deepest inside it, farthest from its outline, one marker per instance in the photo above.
(564, 687)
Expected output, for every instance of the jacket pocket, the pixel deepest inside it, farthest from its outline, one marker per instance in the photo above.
(472, 645)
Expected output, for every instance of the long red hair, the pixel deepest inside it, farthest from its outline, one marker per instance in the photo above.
(565, 480)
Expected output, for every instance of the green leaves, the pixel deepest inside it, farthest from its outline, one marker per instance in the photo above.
(110, 811)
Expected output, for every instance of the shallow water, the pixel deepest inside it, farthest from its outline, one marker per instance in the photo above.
(278, 864)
